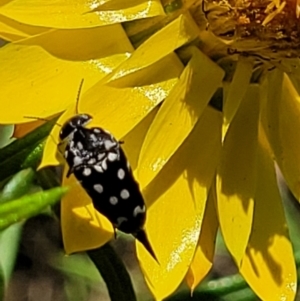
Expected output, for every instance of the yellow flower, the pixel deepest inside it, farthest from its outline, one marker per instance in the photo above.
(205, 102)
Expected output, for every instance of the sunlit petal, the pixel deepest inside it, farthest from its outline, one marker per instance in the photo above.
(55, 14)
(268, 265)
(77, 13)
(204, 255)
(178, 114)
(43, 84)
(113, 11)
(10, 30)
(179, 32)
(133, 140)
(159, 71)
(236, 178)
(176, 201)
(83, 44)
(121, 109)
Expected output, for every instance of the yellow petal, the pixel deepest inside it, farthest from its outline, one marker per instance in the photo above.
(268, 265)
(120, 110)
(83, 227)
(117, 110)
(76, 13)
(159, 71)
(59, 13)
(236, 178)
(236, 90)
(178, 114)
(113, 11)
(179, 32)
(83, 44)
(38, 84)
(129, 4)
(176, 201)
(10, 30)
(133, 140)
(204, 255)
(282, 125)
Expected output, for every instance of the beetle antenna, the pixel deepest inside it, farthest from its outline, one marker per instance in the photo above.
(78, 95)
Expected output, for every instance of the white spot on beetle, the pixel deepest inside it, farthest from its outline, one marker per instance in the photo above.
(121, 220)
(86, 172)
(98, 168)
(92, 161)
(112, 156)
(104, 164)
(93, 137)
(100, 156)
(121, 173)
(98, 188)
(113, 200)
(124, 194)
(108, 144)
(79, 145)
(138, 210)
(77, 160)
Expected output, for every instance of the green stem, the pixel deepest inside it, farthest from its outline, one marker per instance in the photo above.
(114, 273)
(29, 205)
(241, 295)
(47, 178)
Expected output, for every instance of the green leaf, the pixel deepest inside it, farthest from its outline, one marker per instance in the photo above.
(9, 245)
(80, 266)
(34, 157)
(114, 273)
(28, 206)
(10, 237)
(13, 155)
(82, 277)
(18, 185)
